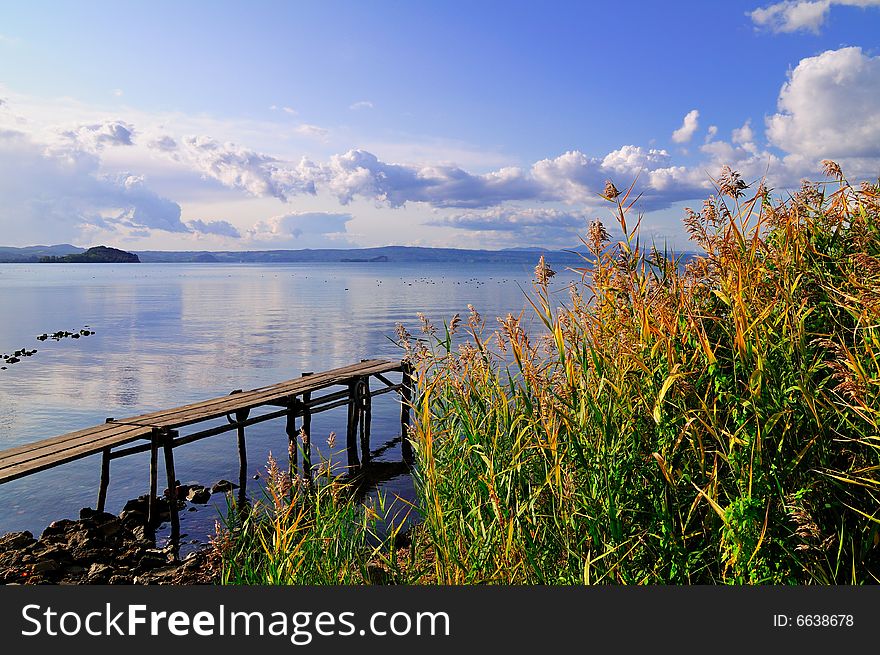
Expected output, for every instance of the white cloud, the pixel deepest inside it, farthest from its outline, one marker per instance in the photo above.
(361, 104)
(513, 225)
(248, 170)
(312, 131)
(164, 143)
(801, 15)
(830, 108)
(62, 192)
(743, 134)
(686, 132)
(289, 110)
(95, 136)
(301, 230)
(117, 93)
(219, 228)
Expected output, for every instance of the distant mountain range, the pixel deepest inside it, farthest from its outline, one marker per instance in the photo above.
(33, 254)
(529, 255)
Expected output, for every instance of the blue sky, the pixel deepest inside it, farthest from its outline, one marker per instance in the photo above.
(219, 125)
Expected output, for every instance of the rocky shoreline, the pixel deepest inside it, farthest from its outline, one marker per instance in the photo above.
(103, 548)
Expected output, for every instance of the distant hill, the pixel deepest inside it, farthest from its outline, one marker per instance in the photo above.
(32, 254)
(381, 254)
(405, 254)
(96, 255)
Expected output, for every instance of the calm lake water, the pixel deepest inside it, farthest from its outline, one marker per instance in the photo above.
(169, 334)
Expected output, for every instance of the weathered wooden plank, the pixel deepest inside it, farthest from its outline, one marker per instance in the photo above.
(94, 431)
(254, 398)
(15, 471)
(47, 453)
(246, 400)
(99, 439)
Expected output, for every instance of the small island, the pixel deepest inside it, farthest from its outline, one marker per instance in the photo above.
(378, 258)
(96, 255)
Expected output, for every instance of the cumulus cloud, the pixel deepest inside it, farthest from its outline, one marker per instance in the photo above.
(572, 177)
(95, 136)
(830, 108)
(218, 228)
(801, 15)
(62, 193)
(301, 229)
(164, 143)
(512, 224)
(312, 131)
(240, 168)
(686, 132)
(361, 104)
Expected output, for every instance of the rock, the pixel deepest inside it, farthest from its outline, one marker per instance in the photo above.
(111, 528)
(56, 552)
(139, 504)
(99, 573)
(198, 495)
(98, 518)
(16, 541)
(222, 486)
(152, 559)
(45, 566)
(57, 529)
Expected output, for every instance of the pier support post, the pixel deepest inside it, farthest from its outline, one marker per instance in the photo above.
(152, 514)
(307, 433)
(405, 402)
(365, 402)
(168, 447)
(241, 416)
(352, 425)
(290, 429)
(105, 479)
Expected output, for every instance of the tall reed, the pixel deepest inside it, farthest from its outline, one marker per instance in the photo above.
(702, 420)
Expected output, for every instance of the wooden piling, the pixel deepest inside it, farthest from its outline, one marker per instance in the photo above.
(365, 417)
(307, 431)
(291, 431)
(152, 514)
(168, 447)
(105, 479)
(241, 417)
(352, 425)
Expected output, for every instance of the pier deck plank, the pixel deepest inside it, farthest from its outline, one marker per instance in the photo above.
(41, 455)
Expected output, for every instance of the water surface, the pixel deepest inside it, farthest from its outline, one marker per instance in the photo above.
(169, 334)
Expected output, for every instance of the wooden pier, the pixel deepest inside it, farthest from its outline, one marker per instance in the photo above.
(294, 400)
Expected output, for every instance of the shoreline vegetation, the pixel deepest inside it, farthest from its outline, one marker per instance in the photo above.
(712, 420)
(712, 423)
